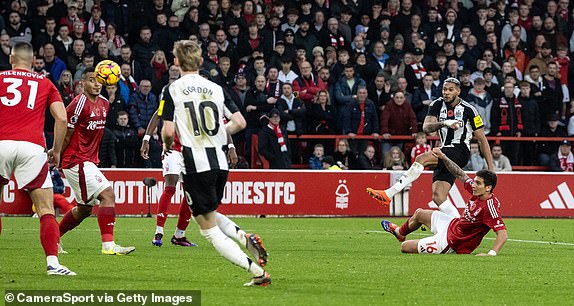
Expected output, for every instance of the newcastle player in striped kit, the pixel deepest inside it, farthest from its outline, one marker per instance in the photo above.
(456, 122)
(194, 107)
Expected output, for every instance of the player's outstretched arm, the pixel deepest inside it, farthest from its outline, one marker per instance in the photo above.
(484, 148)
(431, 124)
(236, 123)
(58, 111)
(501, 237)
(152, 125)
(451, 166)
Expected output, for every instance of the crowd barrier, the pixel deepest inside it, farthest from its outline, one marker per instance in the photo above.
(326, 193)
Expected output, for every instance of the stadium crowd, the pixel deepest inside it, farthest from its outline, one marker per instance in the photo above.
(352, 67)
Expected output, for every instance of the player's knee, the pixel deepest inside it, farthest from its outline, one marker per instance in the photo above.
(44, 209)
(407, 247)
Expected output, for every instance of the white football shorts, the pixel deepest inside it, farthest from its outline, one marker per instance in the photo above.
(172, 163)
(437, 244)
(29, 163)
(87, 182)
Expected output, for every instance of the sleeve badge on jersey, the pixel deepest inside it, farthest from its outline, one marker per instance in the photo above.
(478, 121)
(160, 108)
(74, 119)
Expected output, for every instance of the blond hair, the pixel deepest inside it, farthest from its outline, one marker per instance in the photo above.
(188, 54)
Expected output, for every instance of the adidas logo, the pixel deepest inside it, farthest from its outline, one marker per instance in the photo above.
(92, 114)
(556, 202)
(454, 197)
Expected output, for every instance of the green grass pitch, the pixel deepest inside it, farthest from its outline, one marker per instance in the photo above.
(322, 261)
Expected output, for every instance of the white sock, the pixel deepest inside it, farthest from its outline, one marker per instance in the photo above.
(179, 233)
(448, 208)
(108, 245)
(410, 176)
(52, 261)
(230, 250)
(230, 229)
(159, 230)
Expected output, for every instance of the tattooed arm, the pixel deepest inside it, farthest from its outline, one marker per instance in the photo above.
(450, 165)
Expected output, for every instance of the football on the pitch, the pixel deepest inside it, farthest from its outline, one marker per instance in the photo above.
(107, 72)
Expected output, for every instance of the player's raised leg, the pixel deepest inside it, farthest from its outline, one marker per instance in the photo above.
(440, 191)
(413, 173)
(252, 242)
(107, 221)
(183, 219)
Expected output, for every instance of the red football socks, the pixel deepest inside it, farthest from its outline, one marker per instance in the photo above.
(184, 216)
(49, 235)
(163, 205)
(68, 223)
(404, 229)
(106, 221)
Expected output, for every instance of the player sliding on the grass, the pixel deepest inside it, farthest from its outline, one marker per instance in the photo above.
(456, 235)
(87, 115)
(25, 96)
(456, 121)
(194, 107)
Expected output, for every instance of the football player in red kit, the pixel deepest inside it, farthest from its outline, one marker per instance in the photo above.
(457, 235)
(24, 98)
(86, 121)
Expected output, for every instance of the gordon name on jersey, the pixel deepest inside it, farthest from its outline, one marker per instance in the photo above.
(196, 105)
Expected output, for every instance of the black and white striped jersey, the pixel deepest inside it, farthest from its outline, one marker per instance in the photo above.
(465, 113)
(197, 107)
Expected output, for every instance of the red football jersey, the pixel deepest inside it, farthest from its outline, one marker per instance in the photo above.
(24, 97)
(465, 233)
(88, 119)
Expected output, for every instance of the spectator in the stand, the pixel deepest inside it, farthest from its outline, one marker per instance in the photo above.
(143, 104)
(364, 69)
(547, 148)
(87, 62)
(563, 160)
(423, 97)
(421, 146)
(258, 69)
(39, 67)
(225, 77)
(543, 57)
(17, 30)
(54, 65)
(530, 121)
(66, 87)
(292, 111)
(114, 40)
(346, 88)
(128, 85)
(360, 117)
(64, 37)
(159, 66)
(126, 141)
(322, 115)
(79, 32)
(476, 162)
(316, 161)
(273, 85)
(482, 101)
(72, 16)
(395, 159)
(286, 74)
(367, 160)
(344, 157)
(94, 42)
(107, 153)
(48, 35)
(96, 23)
(126, 57)
(117, 104)
(143, 51)
(117, 12)
(274, 142)
(257, 103)
(333, 36)
(271, 35)
(306, 37)
(380, 94)
(507, 121)
(249, 41)
(501, 162)
(75, 55)
(402, 86)
(103, 53)
(398, 118)
(553, 99)
(308, 83)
